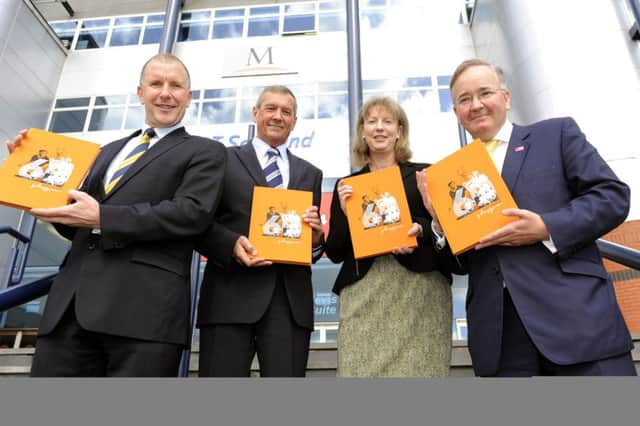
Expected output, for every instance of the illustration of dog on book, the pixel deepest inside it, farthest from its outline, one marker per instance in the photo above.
(475, 192)
(381, 211)
(53, 171)
(287, 225)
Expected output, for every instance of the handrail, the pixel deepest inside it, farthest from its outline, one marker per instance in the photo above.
(24, 293)
(18, 257)
(183, 370)
(14, 233)
(618, 253)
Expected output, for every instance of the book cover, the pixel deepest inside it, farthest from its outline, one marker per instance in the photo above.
(468, 196)
(276, 228)
(378, 213)
(43, 168)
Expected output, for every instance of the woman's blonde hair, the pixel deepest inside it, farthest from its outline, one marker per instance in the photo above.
(360, 148)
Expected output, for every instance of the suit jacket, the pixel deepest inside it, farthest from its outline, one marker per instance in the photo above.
(566, 300)
(133, 279)
(232, 293)
(424, 258)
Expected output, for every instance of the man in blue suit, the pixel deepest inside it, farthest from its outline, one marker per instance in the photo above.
(539, 300)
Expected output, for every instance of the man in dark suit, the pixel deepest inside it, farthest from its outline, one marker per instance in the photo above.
(120, 303)
(247, 304)
(539, 300)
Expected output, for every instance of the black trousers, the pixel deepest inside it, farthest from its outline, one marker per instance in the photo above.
(227, 350)
(72, 351)
(519, 357)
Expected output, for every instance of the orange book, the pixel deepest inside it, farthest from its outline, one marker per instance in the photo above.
(43, 168)
(378, 213)
(276, 229)
(468, 196)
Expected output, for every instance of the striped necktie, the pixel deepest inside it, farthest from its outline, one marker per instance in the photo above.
(271, 170)
(135, 153)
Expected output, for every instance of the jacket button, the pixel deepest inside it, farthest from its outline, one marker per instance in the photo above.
(91, 246)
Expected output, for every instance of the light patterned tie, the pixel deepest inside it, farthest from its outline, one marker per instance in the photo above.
(271, 170)
(491, 145)
(131, 158)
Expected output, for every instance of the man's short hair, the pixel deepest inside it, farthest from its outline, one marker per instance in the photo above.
(475, 62)
(278, 88)
(165, 58)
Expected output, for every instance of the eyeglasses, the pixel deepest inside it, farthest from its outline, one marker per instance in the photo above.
(482, 95)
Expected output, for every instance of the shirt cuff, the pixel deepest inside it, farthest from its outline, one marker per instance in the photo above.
(550, 245)
(440, 240)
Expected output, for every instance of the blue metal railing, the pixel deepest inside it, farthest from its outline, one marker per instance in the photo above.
(618, 253)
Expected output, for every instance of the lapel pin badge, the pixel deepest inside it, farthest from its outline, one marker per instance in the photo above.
(519, 148)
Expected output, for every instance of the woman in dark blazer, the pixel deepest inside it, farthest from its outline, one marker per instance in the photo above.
(395, 309)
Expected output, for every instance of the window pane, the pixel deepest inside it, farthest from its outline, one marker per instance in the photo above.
(228, 28)
(220, 93)
(191, 115)
(333, 86)
(299, 23)
(64, 26)
(332, 336)
(72, 102)
(91, 39)
(68, 121)
(306, 107)
(332, 106)
(106, 119)
(376, 3)
(374, 84)
(195, 95)
(373, 19)
(152, 35)
(125, 36)
(94, 23)
(218, 112)
(417, 81)
(294, 8)
(268, 10)
(263, 26)
(191, 16)
(228, 13)
(445, 100)
(128, 20)
(155, 19)
(246, 110)
(444, 80)
(332, 5)
(111, 100)
(192, 31)
(315, 337)
(135, 117)
(332, 22)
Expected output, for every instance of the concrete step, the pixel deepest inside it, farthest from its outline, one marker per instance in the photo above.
(323, 360)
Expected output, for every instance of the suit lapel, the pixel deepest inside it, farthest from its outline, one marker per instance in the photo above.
(516, 152)
(295, 170)
(249, 159)
(172, 140)
(94, 183)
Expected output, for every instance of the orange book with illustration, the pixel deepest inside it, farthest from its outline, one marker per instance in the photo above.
(43, 168)
(378, 213)
(468, 196)
(276, 229)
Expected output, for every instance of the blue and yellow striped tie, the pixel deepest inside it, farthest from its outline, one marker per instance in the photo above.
(271, 171)
(135, 153)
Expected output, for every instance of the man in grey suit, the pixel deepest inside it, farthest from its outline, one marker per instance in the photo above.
(249, 305)
(120, 303)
